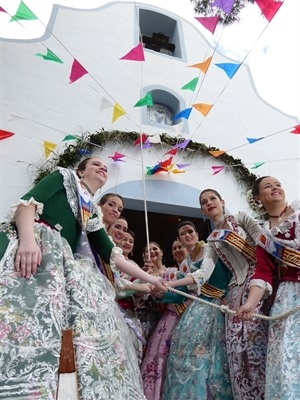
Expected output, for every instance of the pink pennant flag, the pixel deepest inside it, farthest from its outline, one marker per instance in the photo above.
(209, 23)
(2, 10)
(77, 71)
(269, 7)
(296, 130)
(216, 169)
(172, 151)
(136, 54)
(117, 156)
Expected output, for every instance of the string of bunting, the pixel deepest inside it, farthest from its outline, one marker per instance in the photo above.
(89, 142)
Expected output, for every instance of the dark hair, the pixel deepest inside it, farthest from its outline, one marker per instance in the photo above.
(120, 217)
(151, 242)
(210, 190)
(255, 186)
(106, 196)
(82, 165)
(183, 223)
(131, 233)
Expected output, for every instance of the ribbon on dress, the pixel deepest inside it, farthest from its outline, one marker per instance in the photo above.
(283, 253)
(234, 240)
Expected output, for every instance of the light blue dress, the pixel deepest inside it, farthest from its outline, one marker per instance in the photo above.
(197, 366)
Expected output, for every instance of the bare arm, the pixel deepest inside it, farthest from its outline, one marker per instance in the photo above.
(29, 255)
(135, 271)
(245, 312)
(188, 280)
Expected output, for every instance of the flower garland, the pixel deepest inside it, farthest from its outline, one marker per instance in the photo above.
(89, 142)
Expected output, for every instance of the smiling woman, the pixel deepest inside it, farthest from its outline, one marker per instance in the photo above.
(45, 249)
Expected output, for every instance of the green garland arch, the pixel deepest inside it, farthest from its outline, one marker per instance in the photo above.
(87, 143)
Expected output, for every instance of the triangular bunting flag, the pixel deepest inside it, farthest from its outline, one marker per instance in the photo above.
(209, 23)
(297, 129)
(84, 152)
(257, 165)
(183, 144)
(50, 56)
(191, 85)
(166, 163)
(14, 116)
(250, 140)
(24, 13)
(172, 151)
(216, 169)
(146, 144)
(136, 54)
(69, 137)
(155, 138)
(269, 7)
(49, 147)
(202, 66)
(2, 10)
(117, 156)
(217, 153)
(145, 101)
(117, 112)
(5, 134)
(140, 139)
(180, 166)
(105, 104)
(183, 114)
(229, 68)
(77, 71)
(225, 5)
(203, 108)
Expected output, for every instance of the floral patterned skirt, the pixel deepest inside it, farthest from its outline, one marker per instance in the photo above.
(197, 367)
(283, 355)
(65, 292)
(155, 361)
(246, 343)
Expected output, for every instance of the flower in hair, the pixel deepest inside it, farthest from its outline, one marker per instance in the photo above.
(254, 204)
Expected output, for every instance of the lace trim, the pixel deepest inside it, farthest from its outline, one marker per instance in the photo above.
(39, 208)
(95, 223)
(199, 281)
(71, 190)
(116, 251)
(262, 284)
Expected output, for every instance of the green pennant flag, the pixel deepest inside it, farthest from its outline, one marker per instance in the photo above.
(69, 137)
(191, 85)
(23, 12)
(145, 101)
(50, 56)
(257, 165)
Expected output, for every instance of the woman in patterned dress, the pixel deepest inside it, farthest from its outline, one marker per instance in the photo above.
(277, 274)
(49, 281)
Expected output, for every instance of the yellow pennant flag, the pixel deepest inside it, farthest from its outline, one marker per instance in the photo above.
(203, 66)
(217, 153)
(48, 148)
(118, 112)
(203, 108)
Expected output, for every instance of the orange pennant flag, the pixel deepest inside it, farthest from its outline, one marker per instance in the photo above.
(217, 153)
(202, 66)
(203, 108)
(118, 112)
(49, 147)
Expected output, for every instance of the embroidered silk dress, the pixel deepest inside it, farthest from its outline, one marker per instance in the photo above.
(154, 364)
(246, 341)
(68, 290)
(283, 355)
(197, 365)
